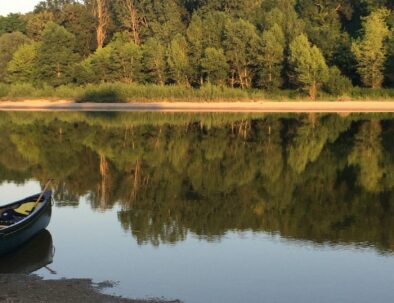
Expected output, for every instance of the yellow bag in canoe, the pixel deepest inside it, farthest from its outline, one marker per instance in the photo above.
(25, 209)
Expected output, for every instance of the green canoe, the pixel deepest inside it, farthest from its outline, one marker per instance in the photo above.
(22, 220)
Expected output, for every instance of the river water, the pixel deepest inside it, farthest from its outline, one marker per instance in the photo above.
(209, 207)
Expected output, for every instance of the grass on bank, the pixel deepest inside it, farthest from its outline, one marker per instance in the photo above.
(120, 92)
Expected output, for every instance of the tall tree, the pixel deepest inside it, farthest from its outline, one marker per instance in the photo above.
(56, 56)
(22, 66)
(79, 20)
(195, 37)
(36, 23)
(101, 12)
(371, 50)
(241, 43)
(272, 57)
(214, 65)
(12, 23)
(310, 67)
(323, 23)
(165, 19)
(9, 43)
(131, 18)
(178, 60)
(154, 61)
(126, 57)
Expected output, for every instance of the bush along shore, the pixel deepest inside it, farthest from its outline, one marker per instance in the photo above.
(229, 50)
(122, 93)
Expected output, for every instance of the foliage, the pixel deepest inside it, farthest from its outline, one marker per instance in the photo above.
(337, 84)
(371, 52)
(309, 65)
(180, 42)
(9, 44)
(56, 56)
(12, 23)
(101, 95)
(272, 57)
(178, 61)
(214, 66)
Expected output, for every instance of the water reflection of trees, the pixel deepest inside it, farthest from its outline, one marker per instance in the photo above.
(321, 178)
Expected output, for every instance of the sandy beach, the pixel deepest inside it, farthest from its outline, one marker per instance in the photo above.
(258, 106)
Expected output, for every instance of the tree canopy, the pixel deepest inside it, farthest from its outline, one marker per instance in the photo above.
(245, 44)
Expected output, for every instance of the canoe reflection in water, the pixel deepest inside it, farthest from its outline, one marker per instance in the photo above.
(34, 255)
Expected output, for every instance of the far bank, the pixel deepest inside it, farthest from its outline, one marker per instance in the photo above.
(234, 106)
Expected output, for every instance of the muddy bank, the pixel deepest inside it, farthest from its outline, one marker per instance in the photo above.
(32, 289)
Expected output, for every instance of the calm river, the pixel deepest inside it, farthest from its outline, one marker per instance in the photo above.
(219, 208)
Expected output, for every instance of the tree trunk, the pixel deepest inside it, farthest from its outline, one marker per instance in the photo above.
(133, 19)
(101, 13)
(313, 90)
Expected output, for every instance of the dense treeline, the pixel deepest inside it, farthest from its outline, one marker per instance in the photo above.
(320, 178)
(306, 45)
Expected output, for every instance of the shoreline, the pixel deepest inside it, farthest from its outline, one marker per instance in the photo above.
(32, 289)
(201, 107)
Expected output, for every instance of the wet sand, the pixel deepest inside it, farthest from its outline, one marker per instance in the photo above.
(32, 289)
(258, 106)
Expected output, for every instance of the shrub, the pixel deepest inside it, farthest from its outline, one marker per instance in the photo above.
(102, 95)
(337, 84)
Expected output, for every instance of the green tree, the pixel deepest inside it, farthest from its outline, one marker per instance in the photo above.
(56, 57)
(371, 50)
(178, 61)
(120, 60)
(9, 43)
(125, 58)
(12, 23)
(272, 57)
(97, 67)
(131, 18)
(337, 84)
(154, 61)
(79, 20)
(195, 37)
(283, 13)
(311, 70)
(22, 66)
(164, 19)
(323, 23)
(36, 23)
(214, 65)
(241, 43)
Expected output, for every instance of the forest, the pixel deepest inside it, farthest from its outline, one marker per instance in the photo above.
(321, 178)
(225, 48)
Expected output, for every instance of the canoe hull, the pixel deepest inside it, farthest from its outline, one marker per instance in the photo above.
(16, 235)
